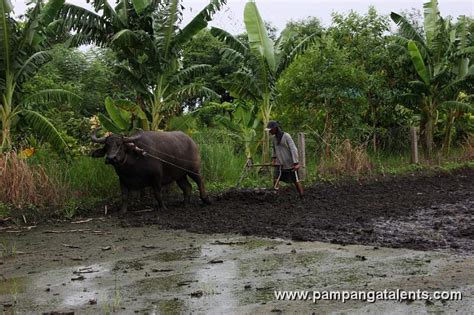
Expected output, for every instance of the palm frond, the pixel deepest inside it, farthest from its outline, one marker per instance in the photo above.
(292, 50)
(230, 40)
(5, 32)
(228, 124)
(200, 21)
(30, 28)
(458, 106)
(126, 38)
(134, 80)
(231, 55)
(214, 106)
(407, 30)
(83, 21)
(192, 90)
(185, 75)
(171, 15)
(417, 85)
(52, 95)
(286, 35)
(464, 51)
(458, 84)
(431, 20)
(31, 65)
(417, 59)
(79, 39)
(259, 41)
(140, 5)
(49, 12)
(107, 10)
(45, 129)
(244, 85)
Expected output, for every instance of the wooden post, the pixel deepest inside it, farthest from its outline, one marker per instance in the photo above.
(414, 146)
(302, 154)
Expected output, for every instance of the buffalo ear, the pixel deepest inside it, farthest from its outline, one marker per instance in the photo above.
(98, 153)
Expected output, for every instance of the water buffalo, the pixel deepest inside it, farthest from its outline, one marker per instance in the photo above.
(152, 159)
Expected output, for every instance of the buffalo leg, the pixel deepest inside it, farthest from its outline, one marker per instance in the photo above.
(202, 190)
(158, 196)
(125, 194)
(185, 187)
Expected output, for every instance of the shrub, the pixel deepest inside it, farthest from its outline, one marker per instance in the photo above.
(347, 160)
(22, 184)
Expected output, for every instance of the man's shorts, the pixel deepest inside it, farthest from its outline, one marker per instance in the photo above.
(286, 175)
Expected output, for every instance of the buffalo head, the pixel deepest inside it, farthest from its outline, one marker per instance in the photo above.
(114, 147)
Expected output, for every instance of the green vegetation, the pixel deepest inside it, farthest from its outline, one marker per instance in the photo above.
(354, 88)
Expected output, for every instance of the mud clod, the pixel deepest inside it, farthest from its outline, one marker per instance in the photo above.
(426, 211)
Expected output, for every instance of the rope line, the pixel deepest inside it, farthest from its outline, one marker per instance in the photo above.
(163, 153)
(145, 153)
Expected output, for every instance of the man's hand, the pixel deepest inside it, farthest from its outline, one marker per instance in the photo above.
(296, 166)
(274, 161)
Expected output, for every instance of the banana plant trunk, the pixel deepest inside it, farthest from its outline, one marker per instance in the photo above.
(374, 128)
(266, 111)
(7, 112)
(6, 136)
(157, 105)
(327, 135)
(429, 128)
(7, 116)
(157, 116)
(448, 131)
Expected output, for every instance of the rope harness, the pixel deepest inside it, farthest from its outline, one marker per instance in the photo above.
(145, 153)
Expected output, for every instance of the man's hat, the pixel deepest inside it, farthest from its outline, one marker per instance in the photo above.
(272, 124)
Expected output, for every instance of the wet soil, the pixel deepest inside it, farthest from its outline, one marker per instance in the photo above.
(416, 232)
(98, 267)
(427, 211)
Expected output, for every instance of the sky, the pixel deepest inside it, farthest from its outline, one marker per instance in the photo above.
(279, 12)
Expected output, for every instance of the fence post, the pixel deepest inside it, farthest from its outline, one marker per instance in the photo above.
(414, 146)
(302, 155)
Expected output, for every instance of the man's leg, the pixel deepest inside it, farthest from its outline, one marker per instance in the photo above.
(298, 185)
(276, 178)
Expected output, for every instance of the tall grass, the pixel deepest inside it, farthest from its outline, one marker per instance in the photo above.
(50, 181)
(468, 148)
(92, 177)
(221, 166)
(46, 180)
(347, 159)
(23, 185)
(83, 176)
(223, 160)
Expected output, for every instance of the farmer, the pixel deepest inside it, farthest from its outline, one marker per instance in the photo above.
(284, 158)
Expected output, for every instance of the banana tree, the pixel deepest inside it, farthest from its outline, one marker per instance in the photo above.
(263, 61)
(432, 54)
(123, 117)
(454, 109)
(147, 38)
(461, 101)
(242, 126)
(22, 52)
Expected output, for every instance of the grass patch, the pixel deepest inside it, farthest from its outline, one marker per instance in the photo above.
(47, 180)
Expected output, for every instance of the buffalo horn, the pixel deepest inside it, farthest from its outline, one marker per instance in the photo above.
(94, 137)
(132, 138)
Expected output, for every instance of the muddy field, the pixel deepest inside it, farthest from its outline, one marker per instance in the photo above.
(410, 233)
(418, 212)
